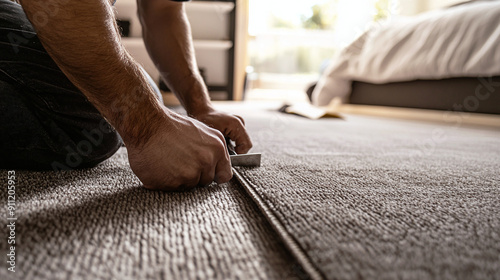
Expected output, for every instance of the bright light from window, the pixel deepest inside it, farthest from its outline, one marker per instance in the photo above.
(294, 40)
(263, 11)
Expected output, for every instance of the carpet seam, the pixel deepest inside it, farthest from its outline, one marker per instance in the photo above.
(293, 246)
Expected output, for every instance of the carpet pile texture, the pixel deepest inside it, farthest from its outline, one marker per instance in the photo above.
(358, 198)
(100, 223)
(374, 198)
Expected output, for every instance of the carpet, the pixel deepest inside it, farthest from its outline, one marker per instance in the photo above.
(375, 198)
(359, 198)
(100, 223)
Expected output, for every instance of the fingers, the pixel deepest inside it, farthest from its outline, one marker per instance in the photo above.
(243, 146)
(214, 163)
(239, 135)
(223, 171)
(207, 177)
(242, 139)
(232, 126)
(216, 166)
(241, 119)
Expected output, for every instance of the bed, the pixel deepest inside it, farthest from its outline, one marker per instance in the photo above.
(443, 60)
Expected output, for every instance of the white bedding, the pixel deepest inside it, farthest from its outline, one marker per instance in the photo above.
(462, 41)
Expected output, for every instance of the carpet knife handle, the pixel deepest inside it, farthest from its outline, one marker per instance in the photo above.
(230, 147)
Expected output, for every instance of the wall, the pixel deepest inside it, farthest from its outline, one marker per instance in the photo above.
(437, 4)
(412, 7)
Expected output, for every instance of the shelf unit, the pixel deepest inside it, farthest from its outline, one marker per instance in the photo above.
(213, 27)
(212, 24)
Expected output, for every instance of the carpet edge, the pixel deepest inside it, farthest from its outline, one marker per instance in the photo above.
(292, 245)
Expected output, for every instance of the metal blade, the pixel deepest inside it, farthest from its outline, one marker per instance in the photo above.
(249, 160)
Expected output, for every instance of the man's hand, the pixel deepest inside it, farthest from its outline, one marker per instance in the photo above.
(184, 153)
(166, 33)
(230, 125)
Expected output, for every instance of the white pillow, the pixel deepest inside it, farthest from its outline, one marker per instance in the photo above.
(462, 41)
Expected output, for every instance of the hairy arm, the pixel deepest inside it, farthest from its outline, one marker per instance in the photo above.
(167, 35)
(93, 58)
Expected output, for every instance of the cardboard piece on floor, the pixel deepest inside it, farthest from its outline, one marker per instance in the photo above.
(309, 111)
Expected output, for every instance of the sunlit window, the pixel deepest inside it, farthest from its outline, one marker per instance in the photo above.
(293, 41)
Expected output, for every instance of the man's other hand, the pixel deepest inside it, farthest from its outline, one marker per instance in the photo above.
(183, 154)
(230, 125)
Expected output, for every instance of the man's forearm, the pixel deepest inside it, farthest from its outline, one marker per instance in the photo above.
(93, 58)
(167, 35)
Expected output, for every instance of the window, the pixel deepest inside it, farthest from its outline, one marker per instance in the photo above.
(293, 41)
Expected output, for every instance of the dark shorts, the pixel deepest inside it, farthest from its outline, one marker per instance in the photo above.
(45, 121)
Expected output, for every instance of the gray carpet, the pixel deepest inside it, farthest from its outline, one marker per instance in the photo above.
(361, 198)
(101, 224)
(373, 198)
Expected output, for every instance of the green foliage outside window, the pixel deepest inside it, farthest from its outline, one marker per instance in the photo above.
(382, 9)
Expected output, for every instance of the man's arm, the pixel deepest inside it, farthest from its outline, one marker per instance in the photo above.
(166, 151)
(167, 36)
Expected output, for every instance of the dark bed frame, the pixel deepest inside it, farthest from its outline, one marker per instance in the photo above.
(477, 95)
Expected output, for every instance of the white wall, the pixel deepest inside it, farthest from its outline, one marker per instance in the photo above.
(412, 7)
(437, 4)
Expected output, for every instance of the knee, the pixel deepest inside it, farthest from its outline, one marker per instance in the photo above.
(43, 139)
(92, 147)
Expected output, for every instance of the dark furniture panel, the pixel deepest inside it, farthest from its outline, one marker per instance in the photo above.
(477, 95)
